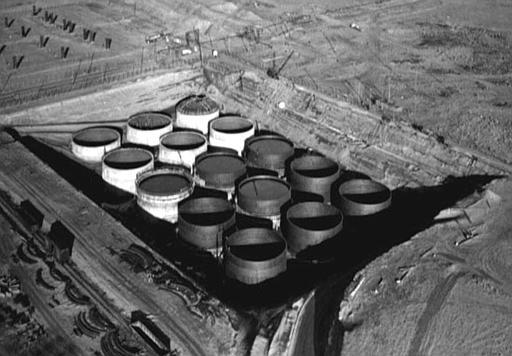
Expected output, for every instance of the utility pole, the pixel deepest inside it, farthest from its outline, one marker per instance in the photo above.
(90, 63)
(196, 35)
(75, 75)
(389, 90)
(141, 59)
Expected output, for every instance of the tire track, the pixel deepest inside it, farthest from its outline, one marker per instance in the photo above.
(435, 302)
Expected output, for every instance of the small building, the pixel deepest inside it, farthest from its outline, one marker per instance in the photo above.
(60, 241)
(32, 216)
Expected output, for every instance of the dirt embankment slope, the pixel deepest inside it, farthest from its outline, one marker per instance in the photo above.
(447, 291)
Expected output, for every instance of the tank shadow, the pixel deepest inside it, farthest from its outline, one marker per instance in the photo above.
(361, 240)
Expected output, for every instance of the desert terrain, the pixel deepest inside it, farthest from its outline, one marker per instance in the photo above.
(414, 94)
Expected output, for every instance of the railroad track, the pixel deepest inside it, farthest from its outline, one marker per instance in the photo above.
(90, 289)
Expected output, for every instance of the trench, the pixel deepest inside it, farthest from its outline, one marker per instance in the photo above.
(328, 267)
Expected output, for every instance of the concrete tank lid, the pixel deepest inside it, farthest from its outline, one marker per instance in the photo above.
(232, 124)
(220, 165)
(197, 105)
(149, 121)
(270, 145)
(183, 140)
(127, 158)
(256, 244)
(266, 188)
(96, 136)
(164, 182)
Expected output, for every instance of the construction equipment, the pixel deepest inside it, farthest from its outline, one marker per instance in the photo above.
(273, 72)
(153, 38)
(251, 33)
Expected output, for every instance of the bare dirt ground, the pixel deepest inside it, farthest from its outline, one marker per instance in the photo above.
(447, 291)
(443, 65)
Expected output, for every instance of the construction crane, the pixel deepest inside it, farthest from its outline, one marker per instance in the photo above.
(273, 72)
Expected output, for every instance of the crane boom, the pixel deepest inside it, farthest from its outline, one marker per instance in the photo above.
(284, 63)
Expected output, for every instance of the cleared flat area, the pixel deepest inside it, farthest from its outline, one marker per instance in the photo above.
(117, 104)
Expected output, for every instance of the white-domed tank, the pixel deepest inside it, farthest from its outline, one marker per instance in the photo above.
(196, 112)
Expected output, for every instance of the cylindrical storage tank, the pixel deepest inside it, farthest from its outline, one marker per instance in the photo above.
(121, 166)
(219, 170)
(361, 197)
(92, 143)
(314, 174)
(182, 147)
(196, 112)
(204, 222)
(263, 197)
(310, 223)
(231, 132)
(268, 152)
(147, 128)
(254, 255)
(159, 192)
